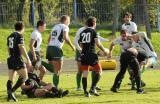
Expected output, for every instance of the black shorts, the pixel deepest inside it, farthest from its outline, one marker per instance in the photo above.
(89, 59)
(31, 57)
(15, 63)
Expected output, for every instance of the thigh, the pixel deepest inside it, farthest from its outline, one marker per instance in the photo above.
(23, 73)
(57, 65)
(11, 75)
(97, 68)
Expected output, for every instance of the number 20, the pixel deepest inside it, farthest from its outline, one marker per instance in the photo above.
(86, 37)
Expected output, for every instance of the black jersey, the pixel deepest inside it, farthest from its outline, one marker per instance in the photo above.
(12, 42)
(87, 39)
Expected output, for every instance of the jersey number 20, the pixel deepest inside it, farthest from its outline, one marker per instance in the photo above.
(86, 37)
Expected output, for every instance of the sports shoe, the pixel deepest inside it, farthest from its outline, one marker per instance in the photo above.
(98, 88)
(114, 89)
(64, 93)
(140, 91)
(87, 94)
(94, 92)
(133, 88)
(11, 96)
(79, 89)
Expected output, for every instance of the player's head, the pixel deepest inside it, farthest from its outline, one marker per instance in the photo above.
(65, 19)
(19, 26)
(41, 26)
(127, 17)
(91, 22)
(135, 37)
(124, 35)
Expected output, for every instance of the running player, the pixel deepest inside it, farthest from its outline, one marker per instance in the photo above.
(88, 39)
(16, 49)
(54, 52)
(35, 48)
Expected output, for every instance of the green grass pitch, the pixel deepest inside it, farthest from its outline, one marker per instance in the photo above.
(67, 81)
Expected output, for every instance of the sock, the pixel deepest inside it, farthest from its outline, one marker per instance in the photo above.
(78, 79)
(49, 95)
(9, 86)
(138, 82)
(96, 80)
(93, 76)
(54, 90)
(56, 80)
(84, 83)
(19, 82)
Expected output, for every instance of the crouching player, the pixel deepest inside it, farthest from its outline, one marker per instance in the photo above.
(88, 39)
(16, 49)
(35, 88)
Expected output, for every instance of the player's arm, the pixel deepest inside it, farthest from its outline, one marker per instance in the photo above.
(100, 46)
(102, 39)
(111, 47)
(31, 45)
(67, 40)
(76, 43)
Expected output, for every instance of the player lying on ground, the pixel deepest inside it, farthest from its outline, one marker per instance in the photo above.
(34, 53)
(16, 49)
(54, 53)
(78, 59)
(88, 39)
(34, 88)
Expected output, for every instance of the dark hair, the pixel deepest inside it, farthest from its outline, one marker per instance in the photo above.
(123, 31)
(63, 18)
(19, 26)
(90, 21)
(127, 14)
(40, 23)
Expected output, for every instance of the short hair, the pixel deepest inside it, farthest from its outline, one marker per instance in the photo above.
(123, 32)
(40, 23)
(90, 21)
(19, 26)
(64, 18)
(127, 14)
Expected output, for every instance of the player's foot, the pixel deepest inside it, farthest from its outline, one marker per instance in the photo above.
(133, 88)
(11, 96)
(94, 92)
(98, 88)
(140, 91)
(87, 94)
(114, 89)
(79, 89)
(64, 93)
(59, 93)
(143, 84)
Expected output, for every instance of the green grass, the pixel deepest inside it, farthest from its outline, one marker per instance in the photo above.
(67, 81)
(68, 53)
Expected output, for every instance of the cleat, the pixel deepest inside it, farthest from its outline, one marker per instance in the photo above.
(87, 94)
(114, 89)
(64, 93)
(140, 91)
(79, 89)
(94, 92)
(133, 88)
(98, 88)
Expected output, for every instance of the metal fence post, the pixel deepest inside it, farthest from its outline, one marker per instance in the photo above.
(32, 17)
(75, 10)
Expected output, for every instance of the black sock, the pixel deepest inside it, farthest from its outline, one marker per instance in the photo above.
(96, 80)
(9, 86)
(84, 83)
(138, 82)
(19, 82)
(49, 95)
(54, 90)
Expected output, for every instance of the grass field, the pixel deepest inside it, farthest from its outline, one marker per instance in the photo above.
(68, 53)
(67, 81)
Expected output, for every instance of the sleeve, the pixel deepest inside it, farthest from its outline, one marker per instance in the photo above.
(101, 38)
(116, 41)
(134, 27)
(20, 40)
(76, 40)
(34, 36)
(95, 34)
(65, 29)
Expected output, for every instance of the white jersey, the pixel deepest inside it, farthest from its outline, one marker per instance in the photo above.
(36, 35)
(129, 27)
(144, 45)
(57, 35)
(124, 44)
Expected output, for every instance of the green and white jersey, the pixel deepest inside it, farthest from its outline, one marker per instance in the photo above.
(144, 44)
(57, 35)
(36, 35)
